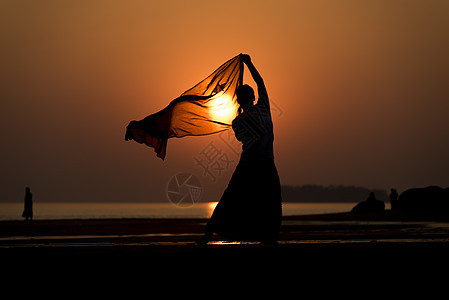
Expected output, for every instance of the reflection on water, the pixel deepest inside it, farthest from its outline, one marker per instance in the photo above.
(223, 243)
(127, 242)
(51, 211)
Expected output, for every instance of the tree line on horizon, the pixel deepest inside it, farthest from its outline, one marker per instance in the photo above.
(319, 193)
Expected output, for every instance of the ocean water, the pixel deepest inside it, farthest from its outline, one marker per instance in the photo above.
(52, 211)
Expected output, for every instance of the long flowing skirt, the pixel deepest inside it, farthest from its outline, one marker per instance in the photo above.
(251, 206)
(28, 210)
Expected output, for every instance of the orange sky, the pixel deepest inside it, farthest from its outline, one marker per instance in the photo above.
(360, 87)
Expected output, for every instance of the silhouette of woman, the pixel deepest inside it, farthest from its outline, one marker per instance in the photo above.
(28, 205)
(250, 208)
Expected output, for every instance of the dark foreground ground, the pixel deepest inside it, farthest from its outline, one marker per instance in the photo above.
(318, 242)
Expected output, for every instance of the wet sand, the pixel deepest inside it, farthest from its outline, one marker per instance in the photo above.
(344, 238)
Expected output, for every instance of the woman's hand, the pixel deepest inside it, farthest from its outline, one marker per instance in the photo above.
(246, 58)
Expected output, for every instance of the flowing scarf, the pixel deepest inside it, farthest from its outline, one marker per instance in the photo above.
(209, 107)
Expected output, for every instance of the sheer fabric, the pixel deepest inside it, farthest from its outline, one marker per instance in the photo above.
(209, 107)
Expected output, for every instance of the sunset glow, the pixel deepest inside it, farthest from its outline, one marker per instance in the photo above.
(119, 156)
(223, 109)
(358, 92)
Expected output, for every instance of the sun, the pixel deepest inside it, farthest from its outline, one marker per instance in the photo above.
(223, 109)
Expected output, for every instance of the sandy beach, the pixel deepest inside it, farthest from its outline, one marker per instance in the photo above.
(335, 238)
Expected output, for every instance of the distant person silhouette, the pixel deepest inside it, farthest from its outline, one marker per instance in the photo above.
(250, 208)
(393, 198)
(28, 205)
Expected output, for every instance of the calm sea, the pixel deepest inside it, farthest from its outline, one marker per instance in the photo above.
(51, 211)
